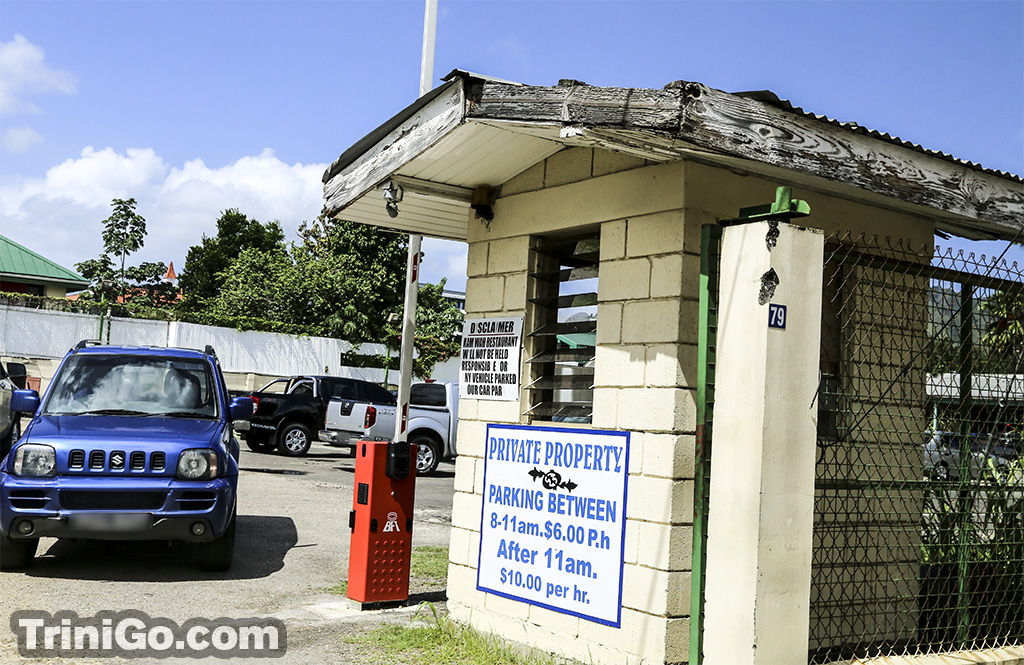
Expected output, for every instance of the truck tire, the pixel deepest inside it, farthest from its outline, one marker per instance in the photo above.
(294, 440)
(428, 454)
(16, 553)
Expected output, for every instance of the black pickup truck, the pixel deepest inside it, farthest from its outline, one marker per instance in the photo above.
(289, 412)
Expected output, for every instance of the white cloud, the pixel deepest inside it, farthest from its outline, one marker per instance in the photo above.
(23, 72)
(17, 140)
(61, 214)
(90, 181)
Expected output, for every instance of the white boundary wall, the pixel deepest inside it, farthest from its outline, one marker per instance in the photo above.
(45, 335)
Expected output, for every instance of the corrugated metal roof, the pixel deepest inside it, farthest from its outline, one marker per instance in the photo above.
(20, 262)
(769, 97)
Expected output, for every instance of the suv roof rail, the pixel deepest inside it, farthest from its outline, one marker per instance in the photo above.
(86, 342)
(208, 351)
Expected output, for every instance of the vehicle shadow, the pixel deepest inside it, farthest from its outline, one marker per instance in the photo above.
(261, 543)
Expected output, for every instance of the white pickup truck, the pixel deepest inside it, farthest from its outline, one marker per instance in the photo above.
(433, 422)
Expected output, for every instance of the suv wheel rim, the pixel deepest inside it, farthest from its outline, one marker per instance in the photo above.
(294, 440)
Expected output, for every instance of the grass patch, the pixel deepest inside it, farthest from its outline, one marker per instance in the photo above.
(429, 565)
(435, 640)
(340, 589)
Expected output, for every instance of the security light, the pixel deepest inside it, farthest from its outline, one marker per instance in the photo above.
(392, 194)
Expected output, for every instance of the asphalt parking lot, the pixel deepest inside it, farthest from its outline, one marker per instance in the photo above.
(292, 546)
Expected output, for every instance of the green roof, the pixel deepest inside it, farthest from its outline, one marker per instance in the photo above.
(20, 264)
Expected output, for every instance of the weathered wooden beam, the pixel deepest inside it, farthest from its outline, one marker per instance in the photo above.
(738, 126)
(693, 121)
(693, 116)
(421, 130)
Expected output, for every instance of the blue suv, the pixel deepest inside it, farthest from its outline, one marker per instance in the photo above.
(128, 443)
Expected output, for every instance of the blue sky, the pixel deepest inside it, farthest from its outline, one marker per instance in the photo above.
(196, 106)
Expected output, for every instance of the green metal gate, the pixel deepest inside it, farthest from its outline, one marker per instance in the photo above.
(711, 236)
(919, 509)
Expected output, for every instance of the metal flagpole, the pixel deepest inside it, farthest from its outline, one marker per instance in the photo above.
(413, 264)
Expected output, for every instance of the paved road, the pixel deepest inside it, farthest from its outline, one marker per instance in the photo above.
(292, 545)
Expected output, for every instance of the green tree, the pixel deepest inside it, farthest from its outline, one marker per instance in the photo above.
(258, 284)
(101, 276)
(438, 327)
(149, 286)
(1004, 338)
(124, 233)
(360, 273)
(343, 280)
(203, 275)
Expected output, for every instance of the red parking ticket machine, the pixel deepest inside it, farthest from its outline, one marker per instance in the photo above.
(381, 523)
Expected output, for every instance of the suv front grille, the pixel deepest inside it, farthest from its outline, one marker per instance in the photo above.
(90, 500)
(118, 460)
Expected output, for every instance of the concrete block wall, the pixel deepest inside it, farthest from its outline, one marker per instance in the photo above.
(645, 383)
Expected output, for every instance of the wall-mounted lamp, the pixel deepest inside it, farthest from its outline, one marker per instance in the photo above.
(392, 194)
(482, 201)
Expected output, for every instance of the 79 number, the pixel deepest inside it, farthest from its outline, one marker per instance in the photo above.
(777, 316)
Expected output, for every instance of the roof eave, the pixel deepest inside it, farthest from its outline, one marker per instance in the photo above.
(37, 279)
(684, 121)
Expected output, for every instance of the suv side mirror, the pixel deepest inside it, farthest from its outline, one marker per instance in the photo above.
(240, 408)
(24, 401)
(17, 373)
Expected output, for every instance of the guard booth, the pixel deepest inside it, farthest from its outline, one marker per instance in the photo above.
(645, 477)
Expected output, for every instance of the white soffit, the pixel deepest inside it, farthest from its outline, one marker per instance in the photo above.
(472, 155)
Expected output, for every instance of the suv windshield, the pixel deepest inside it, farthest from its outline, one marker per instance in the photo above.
(98, 384)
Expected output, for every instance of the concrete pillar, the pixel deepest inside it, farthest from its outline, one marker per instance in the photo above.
(762, 468)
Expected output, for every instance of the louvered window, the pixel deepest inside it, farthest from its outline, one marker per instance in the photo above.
(564, 336)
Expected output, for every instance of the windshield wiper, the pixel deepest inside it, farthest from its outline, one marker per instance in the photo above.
(183, 414)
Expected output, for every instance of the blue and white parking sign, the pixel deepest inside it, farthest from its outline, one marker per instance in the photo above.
(554, 519)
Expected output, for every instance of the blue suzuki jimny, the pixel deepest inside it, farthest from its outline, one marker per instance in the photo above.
(128, 443)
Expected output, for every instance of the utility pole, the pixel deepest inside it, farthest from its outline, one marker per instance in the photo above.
(412, 270)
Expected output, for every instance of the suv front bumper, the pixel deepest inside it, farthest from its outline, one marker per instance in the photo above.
(113, 509)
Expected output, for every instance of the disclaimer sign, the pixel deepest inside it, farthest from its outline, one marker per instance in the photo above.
(554, 519)
(489, 367)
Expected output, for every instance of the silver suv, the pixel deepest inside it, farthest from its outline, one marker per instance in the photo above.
(990, 454)
(12, 378)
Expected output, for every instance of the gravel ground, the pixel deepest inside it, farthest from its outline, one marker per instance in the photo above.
(292, 546)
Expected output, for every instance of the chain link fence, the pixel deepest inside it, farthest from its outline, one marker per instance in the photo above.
(919, 510)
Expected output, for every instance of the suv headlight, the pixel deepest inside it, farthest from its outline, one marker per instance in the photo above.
(35, 460)
(197, 464)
